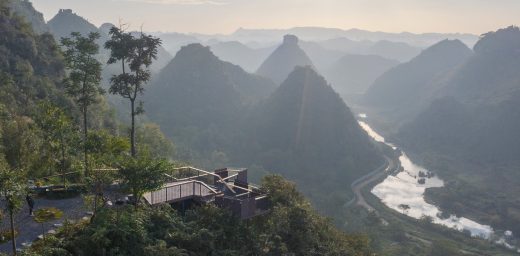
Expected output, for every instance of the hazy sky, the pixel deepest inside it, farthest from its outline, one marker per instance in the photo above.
(225, 16)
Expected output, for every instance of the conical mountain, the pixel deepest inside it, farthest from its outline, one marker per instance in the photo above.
(308, 133)
(196, 89)
(407, 88)
(283, 60)
(67, 21)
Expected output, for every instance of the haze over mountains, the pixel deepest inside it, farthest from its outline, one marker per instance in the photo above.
(303, 125)
(354, 74)
(483, 92)
(450, 101)
(284, 59)
(305, 131)
(404, 90)
(317, 34)
(457, 111)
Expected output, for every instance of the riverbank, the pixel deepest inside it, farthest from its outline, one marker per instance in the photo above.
(405, 194)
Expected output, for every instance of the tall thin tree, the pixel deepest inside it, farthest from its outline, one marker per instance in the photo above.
(135, 55)
(12, 191)
(83, 82)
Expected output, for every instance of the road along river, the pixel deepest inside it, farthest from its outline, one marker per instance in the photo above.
(404, 192)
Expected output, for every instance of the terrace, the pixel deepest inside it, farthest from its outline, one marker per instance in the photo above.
(226, 188)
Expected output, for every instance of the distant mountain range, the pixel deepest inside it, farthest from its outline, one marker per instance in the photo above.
(284, 59)
(457, 112)
(353, 73)
(319, 34)
(237, 53)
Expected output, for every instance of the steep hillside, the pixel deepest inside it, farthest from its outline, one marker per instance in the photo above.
(66, 22)
(283, 60)
(306, 132)
(353, 74)
(470, 135)
(400, 93)
(31, 67)
(487, 87)
(25, 9)
(199, 99)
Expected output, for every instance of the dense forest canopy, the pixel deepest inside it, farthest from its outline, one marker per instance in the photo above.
(98, 118)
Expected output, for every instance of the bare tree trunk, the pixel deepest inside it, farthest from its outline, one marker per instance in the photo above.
(63, 163)
(85, 137)
(13, 237)
(132, 128)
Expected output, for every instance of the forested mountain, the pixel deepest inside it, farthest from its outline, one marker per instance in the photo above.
(199, 100)
(283, 60)
(25, 9)
(305, 131)
(483, 114)
(31, 66)
(66, 22)
(473, 127)
(401, 92)
(32, 73)
(353, 74)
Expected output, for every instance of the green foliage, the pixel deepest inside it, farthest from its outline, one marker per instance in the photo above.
(12, 188)
(25, 9)
(59, 137)
(20, 142)
(105, 148)
(12, 191)
(150, 139)
(142, 174)
(84, 77)
(291, 228)
(31, 67)
(137, 53)
(43, 215)
(84, 69)
(444, 247)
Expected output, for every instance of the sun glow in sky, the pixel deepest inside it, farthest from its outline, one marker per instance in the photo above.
(225, 16)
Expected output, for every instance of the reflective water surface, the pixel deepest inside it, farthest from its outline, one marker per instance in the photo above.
(404, 192)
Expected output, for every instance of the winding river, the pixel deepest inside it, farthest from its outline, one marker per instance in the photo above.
(404, 192)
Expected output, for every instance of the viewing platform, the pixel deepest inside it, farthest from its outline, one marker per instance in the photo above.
(226, 188)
